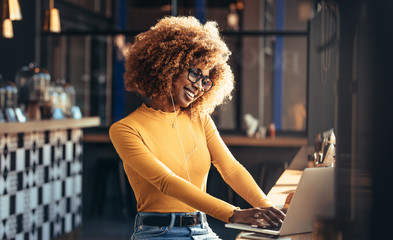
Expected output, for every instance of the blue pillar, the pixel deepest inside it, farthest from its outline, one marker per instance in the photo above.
(278, 65)
(174, 7)
(118, 97)
(200, 6)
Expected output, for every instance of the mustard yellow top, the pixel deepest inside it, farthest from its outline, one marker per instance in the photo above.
(154, 162)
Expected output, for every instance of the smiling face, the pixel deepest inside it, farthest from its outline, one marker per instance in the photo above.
(185, 92)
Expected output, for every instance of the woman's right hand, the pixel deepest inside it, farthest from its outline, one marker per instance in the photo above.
(259, 217)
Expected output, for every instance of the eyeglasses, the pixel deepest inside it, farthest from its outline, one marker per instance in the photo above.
(195, 74)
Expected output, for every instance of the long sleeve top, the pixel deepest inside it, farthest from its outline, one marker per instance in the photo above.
(167, 158)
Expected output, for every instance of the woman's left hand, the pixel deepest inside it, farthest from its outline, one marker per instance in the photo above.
(260, 217)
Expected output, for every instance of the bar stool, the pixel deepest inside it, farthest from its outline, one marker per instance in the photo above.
(106, 167)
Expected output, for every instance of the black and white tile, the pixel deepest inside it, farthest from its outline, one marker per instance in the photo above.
(40, 184)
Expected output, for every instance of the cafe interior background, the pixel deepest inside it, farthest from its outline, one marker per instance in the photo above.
(306, 66)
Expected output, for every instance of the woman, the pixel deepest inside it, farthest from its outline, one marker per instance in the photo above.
(168, 144)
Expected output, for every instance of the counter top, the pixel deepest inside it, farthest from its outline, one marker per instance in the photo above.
(44, 125)
(230, 140)
(237, 140)
(250, 235)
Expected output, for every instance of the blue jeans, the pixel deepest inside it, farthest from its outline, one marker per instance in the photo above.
(197, 232)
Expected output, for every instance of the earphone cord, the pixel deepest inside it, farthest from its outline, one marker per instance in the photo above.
(178, 133)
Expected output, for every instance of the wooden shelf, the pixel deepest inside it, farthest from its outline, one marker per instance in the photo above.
(96, 138)
(229, 140)
(264, 142)
(44, 125)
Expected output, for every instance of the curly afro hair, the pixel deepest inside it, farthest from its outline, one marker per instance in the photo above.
(158, 56)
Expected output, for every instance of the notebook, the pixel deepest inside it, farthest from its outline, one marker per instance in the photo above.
(314, 197)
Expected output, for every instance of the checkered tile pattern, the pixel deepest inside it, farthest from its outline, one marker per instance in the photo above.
(40, 184)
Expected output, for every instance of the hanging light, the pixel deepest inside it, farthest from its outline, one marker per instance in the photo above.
(6, 28)
(52, 19)
(14, 10)
(10, 10)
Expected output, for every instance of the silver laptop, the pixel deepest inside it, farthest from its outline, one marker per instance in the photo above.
(314, 197)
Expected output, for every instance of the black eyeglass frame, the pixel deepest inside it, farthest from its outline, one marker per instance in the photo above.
(199, 77)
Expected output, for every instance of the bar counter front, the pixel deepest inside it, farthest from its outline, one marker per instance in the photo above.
(41, 178)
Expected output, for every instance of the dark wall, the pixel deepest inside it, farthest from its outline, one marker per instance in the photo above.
(364, 119)
(20, 50)
(357, 100)
(373, 115)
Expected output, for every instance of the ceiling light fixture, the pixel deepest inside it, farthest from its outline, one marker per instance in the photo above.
(14, 10)
(10, 11)
(6, 28)
(52, 19)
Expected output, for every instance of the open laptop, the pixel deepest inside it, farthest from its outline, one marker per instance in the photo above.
(314, 197)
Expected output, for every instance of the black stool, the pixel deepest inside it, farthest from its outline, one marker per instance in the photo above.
(106, 167)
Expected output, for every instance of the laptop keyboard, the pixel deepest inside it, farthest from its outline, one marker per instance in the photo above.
(274, 228)
(268, 228)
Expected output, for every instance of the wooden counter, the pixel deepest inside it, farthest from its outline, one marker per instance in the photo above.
(45, 125)
(97, 138)
(260, 156)
(247, 236)
(233, 140)
(230, 140)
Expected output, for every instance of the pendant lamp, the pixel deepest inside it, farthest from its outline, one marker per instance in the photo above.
(6, 28)
(9, 11)
(52, 19)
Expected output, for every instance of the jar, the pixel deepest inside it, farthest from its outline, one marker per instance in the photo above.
(272, 130)
(8, 101)
(32, 82)
(8, 95)
(70, 91)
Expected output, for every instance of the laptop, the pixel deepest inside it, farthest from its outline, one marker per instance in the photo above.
(314, 197)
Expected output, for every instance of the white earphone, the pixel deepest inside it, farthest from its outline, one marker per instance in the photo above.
(181, 142)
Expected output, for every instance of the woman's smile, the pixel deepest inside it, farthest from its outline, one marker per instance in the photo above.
(185, 92)
(189, 94)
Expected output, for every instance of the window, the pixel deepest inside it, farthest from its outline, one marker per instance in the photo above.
(269, 45)
(83, 58)
(269, 58)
